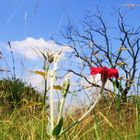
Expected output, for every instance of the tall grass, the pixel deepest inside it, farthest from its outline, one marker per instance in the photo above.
(107, 121)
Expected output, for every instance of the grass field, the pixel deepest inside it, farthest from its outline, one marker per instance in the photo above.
(109, 120)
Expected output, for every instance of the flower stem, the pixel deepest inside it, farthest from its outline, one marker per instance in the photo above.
(102, 88)
(52, 80)
(51, 100)
(43, 115)
(81, 119)
(86, 113)
(90, 109)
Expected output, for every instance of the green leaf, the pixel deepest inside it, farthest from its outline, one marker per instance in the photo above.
(66, 86)
(57, 129)
(46, 68)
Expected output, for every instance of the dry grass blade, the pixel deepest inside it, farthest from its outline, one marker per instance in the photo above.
(28, 105)
(90, 129)
(123, 49)
(57, 87)
(105, 118)
(39, 73)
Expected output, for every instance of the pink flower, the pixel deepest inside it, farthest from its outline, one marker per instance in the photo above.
(105, 72)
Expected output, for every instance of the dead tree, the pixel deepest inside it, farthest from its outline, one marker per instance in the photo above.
(96, 44)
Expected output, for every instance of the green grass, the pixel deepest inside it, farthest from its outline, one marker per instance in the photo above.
(22, 125)
(110, 120)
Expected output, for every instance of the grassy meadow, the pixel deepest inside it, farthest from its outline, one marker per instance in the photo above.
(27, 118)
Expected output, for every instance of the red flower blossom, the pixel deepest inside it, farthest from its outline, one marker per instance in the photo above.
(105, 72)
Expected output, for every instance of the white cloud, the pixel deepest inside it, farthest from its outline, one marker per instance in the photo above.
(29, 48)
(36, 81)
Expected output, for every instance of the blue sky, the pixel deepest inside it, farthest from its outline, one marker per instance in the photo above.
(42, 18)
(35, 20)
